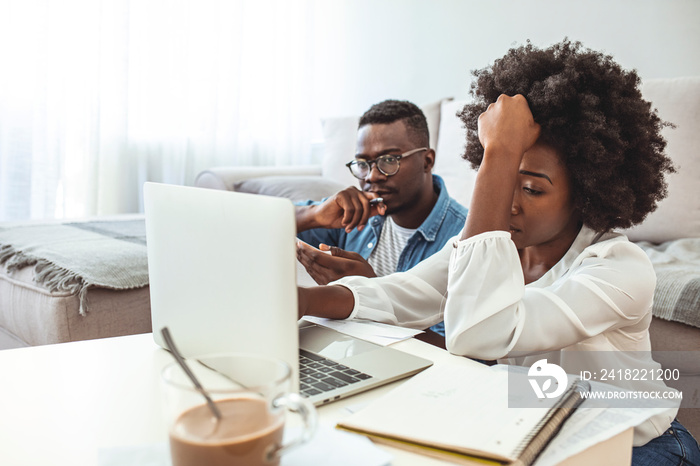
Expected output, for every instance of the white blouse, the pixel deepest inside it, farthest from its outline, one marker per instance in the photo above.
(597, 298)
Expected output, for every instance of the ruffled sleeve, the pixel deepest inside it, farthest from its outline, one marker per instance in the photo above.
(491, 314)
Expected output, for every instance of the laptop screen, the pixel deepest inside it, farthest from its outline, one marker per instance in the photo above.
(222, 271)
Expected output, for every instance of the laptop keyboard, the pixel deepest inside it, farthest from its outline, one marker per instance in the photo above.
(318, 374)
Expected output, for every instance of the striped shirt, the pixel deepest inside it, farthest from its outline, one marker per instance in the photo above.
(392, 242)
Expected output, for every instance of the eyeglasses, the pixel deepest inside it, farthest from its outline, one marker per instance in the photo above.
(387, 164)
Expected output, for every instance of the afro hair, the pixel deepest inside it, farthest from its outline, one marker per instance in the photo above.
(592, 112)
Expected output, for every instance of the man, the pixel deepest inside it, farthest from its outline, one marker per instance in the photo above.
(413, 220)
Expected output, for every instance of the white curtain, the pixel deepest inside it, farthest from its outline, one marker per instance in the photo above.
(98, 96)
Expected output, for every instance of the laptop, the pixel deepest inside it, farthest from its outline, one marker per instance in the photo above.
(222, 271)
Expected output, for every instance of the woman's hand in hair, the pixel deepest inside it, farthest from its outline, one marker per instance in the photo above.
(507, 127)
(506, 130)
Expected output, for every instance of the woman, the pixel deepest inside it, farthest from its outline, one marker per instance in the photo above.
(567, 151)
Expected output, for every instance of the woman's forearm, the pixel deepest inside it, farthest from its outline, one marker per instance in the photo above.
(333, 301)
(506, 131)
(493, 194)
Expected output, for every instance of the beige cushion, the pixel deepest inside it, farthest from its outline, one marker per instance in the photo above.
(39, 317)
(458, 175)
(678, 216)
(340, 139)
(433, 113)
(677, 346)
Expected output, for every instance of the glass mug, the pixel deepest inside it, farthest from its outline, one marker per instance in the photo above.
(253, 395)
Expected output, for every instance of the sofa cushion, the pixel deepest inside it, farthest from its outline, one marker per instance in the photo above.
(677, 216)
(296, 188)
(33, 315)
(458, 175)
(340, 138)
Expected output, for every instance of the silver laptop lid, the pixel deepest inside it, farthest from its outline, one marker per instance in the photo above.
(222, 271)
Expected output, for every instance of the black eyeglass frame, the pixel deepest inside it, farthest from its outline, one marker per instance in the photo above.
(381, 157)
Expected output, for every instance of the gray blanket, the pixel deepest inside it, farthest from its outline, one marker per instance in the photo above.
(677, 266)
(71, 257)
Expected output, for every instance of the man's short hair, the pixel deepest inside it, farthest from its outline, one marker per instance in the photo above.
(390, 111)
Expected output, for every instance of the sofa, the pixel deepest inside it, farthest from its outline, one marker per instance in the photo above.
(670, 235)
(64, 281)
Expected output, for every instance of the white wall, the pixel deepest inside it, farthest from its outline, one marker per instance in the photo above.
(423, 50)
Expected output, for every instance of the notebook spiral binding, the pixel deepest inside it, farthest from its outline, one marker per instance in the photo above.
(532, 445)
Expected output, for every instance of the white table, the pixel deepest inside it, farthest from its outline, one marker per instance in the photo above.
(60, 404)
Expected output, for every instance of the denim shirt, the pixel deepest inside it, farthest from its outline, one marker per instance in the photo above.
(445, 221)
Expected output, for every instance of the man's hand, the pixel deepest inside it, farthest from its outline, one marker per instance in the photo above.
(347, 209)
(325, 268)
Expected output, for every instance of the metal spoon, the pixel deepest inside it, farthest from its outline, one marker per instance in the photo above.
(181, 361)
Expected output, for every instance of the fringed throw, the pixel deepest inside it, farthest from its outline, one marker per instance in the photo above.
(72, 257)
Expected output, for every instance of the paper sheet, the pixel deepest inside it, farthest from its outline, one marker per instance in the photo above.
(589, 426)
(380, 334)
(593, 422)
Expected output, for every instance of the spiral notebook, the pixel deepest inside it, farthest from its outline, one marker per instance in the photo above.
(463, 416)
